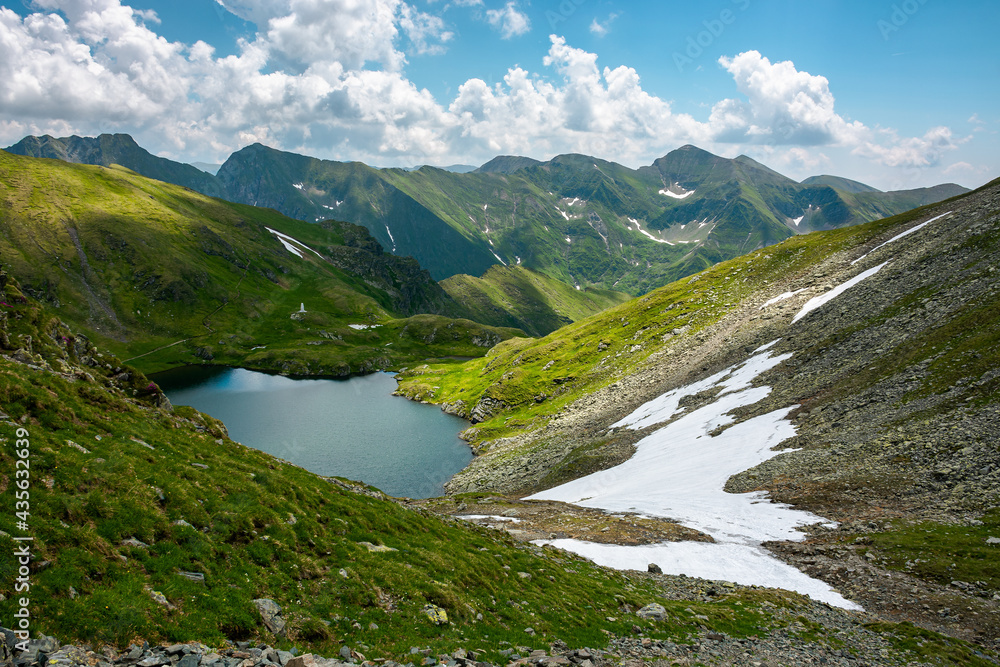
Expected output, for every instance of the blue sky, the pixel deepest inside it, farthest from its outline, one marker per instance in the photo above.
(897, 94)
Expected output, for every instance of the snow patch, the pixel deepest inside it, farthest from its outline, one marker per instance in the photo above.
(798, 220)
(563, 213)
(683, 194)
(743, 564)
(487, 517)
(389, 232)
(498, 256)
(658, 240)
(816, 302)
(782, 297)
(569, 240)
(292, 245)
(299, 186)
(362, 327)
(679, 472)
(899, 236)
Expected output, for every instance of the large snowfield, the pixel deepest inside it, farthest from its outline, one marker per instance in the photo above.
(679, 472)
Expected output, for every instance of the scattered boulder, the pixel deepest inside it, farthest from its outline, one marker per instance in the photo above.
(270, 613)
(436, 614)
(652, 611)
(376, 548)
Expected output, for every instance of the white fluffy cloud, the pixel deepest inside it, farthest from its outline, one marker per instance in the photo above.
(327, 77)
(601, 29)
(510, 21)
(786, 107)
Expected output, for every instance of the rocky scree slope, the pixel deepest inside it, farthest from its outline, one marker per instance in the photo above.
(895, 383)
(158, 541)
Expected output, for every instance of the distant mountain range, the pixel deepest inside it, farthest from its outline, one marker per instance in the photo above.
(109, 149)
(584, 221)
(167, 276)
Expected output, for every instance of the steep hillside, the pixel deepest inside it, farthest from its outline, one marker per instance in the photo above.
(149, 527)
(310, 189)
(109, 149)
(843, 184)
(166, 276)
(508, 164)
(527, 300)
(889, 350)
(582, 220)
(579, 219)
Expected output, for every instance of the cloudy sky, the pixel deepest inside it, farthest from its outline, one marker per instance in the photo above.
(896, 93)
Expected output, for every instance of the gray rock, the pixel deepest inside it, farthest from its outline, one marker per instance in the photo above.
(654, 568)
(653, 611)
(345, 652)
(190, 660)
(155, 660)
(270, 613)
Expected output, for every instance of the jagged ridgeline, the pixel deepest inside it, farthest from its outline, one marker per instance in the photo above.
(165, 275)
(581, 220)
(150, 524)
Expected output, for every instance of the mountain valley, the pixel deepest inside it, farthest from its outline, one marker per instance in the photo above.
(151, 524)
(888, 383)
(582, 220)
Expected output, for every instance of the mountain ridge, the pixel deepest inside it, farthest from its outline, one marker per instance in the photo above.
(888, 377)
(672, 218)
(167, 276)
(158, 536)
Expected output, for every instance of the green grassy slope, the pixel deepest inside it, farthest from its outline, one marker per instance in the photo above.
(164, 275)
(310, 189)
(582, 220)
(893, 385)
(527, 300)
(528, 381)
(579, 219)
(130, 502)
(109, 149)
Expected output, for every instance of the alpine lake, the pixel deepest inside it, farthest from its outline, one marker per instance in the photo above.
(353, 428)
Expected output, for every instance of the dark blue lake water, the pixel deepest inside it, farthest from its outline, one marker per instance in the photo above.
(351, 428)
